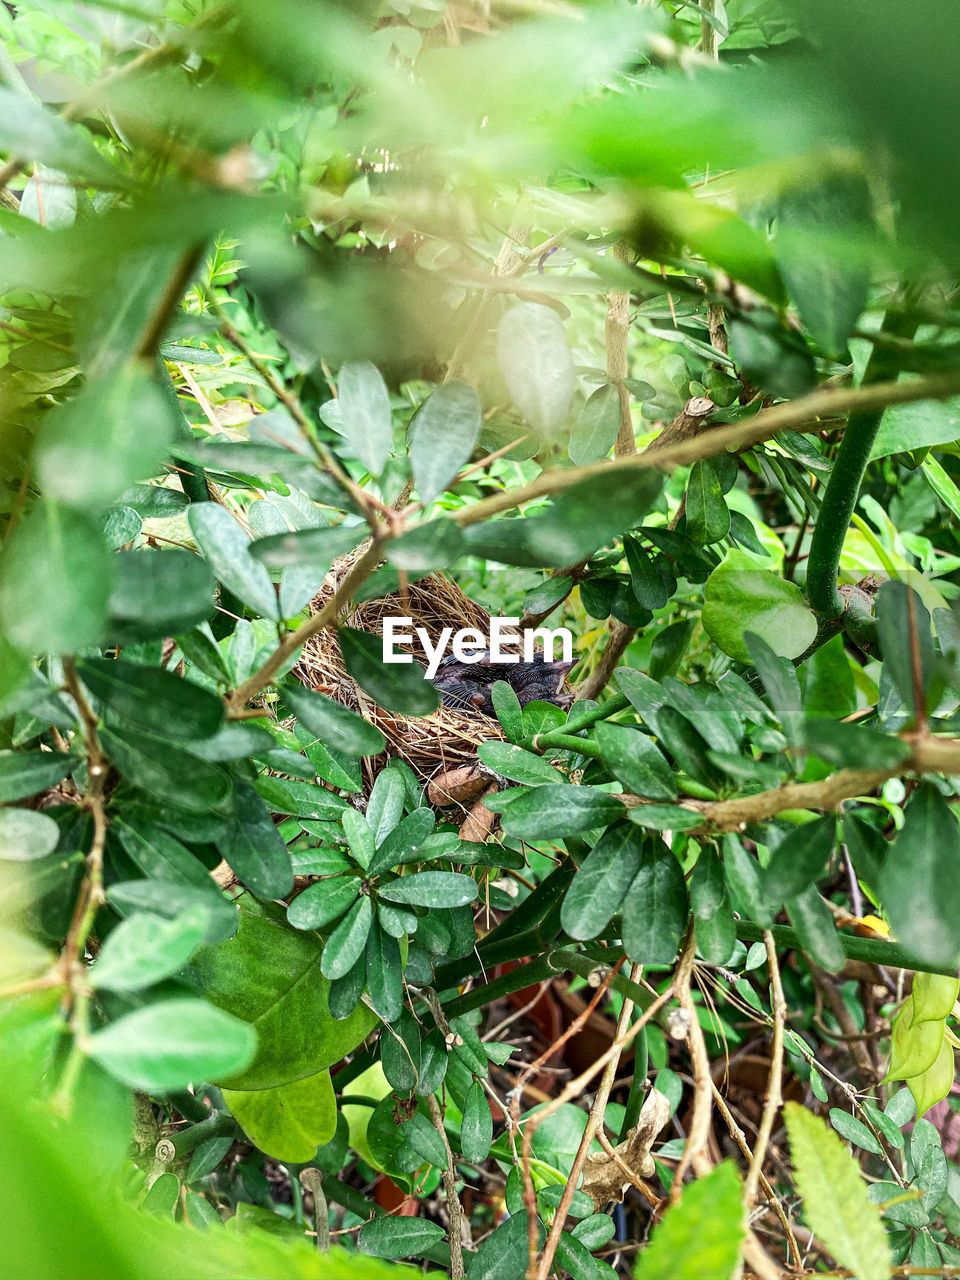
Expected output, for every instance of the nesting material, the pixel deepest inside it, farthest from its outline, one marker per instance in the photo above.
(432, 744)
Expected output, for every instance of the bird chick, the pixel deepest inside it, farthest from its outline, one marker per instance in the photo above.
(468, 686)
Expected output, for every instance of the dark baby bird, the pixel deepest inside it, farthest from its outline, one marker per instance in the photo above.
(468, 685)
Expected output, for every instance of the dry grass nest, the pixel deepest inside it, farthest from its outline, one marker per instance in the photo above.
(429, 744)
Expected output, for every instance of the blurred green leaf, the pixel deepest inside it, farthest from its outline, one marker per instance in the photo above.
(536, 365)
(290, 1121)
(442, 435)
(145, 948)
(397, 686)
(151, 698)
(365, 413)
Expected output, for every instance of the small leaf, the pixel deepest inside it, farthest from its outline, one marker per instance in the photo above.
(424, 1139)
(835, 1197)
(114, 431)
(400, 1052)
(740, 597)
(894, 603)
(562, 810)
(442, 435)
(536, 365)
(595, 430)
(655, 909)
(384, 970)
(55, 581)
(359, 837)
(506, 704)
(164, 770)
(145, 948)
(601, 883)
(306, 548)
(780, 681)
(170, 898)
(26, 835)
(254, 848)
(745, 880)
(934, 996)
(158, 593)
(799, 859)
(700, 1237)
(648, 586)
(433, 545)
(476, 1127)
(227, 550)
(516, 764)
(933, 1085)
(811, 918)
(365, 413)
(431, 889)
(151, 698)
(919, 886)
(400, 687)
(407, 842)
(322, 902)
(25, 773)
(634, 760)
(708, 518)
(347, 942)
(172, 1044)
(854, 1131)
(388, 1237)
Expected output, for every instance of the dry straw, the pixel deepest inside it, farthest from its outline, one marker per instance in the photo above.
(429, 744)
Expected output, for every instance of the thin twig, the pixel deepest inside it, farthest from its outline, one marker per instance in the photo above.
(774, 1097)
(454, 1208)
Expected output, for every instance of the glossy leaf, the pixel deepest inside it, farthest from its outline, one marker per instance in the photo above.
(741, 597)
(799, 859)
(401, 687)
(602, 881)
(655, 909)
(634, 760)
(290, 1121)
(227, 550)
(431, 889)
(559, 810)
(151, 698)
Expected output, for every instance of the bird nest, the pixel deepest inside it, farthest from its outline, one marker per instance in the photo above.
(444, 740)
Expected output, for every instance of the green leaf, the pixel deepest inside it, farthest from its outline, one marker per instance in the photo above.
(227, 550)
(388, 1237)
(922, 425)
(665, 817)
(322, 902)
(384, 970)
(152, 699)
(300, 799)
(172, 1044)
(157, 594)
(254, 848)
(739, 597)
(400, 1052)
(165, 770)
(536, 365)
(269, 975)
(25, 773)
(893, 624)
(145, 948)
(400, 687)
(503, 1255)
(854, 1131)
(431, 889)
(347, 942)
(775, 359)
(30, 131)
(560, 810)
(476, 1127)
(506, 704)
(595, 1231)
(289, 1122)
(835, 1196)
(708, 518)
(934, 996)
(516, 764)
(933, 1085)
(799, 859)
(433, 545)
(648, 586)
(365, 413)
(811, 918)
(170, 898)
(595, 430)
(306, 548)
(914, 1046)
(26, 835)
(919, 886)
(853, 746)
(407, 842)
(157, 853)
(828, 285)
(780, 681)
(424, 1139)
(575, 1258)
(655, 909)
(55, 581)
(442, 434)
(112, 432)
(699, 1238)
(601, 883)
(634, 760)
(334, 725)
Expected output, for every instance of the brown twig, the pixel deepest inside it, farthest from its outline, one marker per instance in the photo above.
(774, 1097)
(454, 1208)
(696, 1149)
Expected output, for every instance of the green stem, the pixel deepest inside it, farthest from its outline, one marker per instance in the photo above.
(843, 487)
(869, 950)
